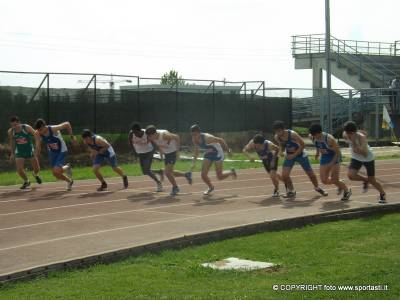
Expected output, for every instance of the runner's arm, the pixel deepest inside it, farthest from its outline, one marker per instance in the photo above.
(299, 141)
(247, 148)
(195, 153)
(100, 141)
(335, 146)
(361, 147)
(11, 143)
(281, 147)
(213, 139)
(38, 143)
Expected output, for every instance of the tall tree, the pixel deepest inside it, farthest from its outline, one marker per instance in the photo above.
(172, 78)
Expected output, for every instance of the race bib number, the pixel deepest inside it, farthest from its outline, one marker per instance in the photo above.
(21, 141)
(53, 146)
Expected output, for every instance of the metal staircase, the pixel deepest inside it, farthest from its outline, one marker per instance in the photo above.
(374, 63)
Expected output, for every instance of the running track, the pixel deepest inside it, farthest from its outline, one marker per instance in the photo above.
(46, 224)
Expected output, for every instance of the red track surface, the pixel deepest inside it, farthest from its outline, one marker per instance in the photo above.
(46, 224)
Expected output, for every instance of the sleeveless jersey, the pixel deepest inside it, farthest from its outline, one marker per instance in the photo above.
(23, 142)
(55, 142)
(108, 153)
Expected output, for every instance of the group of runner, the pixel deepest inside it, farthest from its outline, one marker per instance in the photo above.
(25, 143)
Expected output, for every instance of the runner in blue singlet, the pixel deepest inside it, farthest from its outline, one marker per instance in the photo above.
(330, 157)
(213, 154)
(291, 143)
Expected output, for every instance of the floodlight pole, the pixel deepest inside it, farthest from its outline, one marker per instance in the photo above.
(328, 64)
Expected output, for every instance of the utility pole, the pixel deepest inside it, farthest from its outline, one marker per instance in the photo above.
(328, 64)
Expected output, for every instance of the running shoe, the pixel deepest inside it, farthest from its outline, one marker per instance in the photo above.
(290, 194)
(159, 188)
(321, 191)
(382, 198)
(69, 185)
(365, 187)
(275, 194)
(125, 180)
(38, 179)
(174, 191)
(346, 195)
(188, 176)
(233, 173)
(25, 185)
(102, 187)
(208, 191)
(339, 191)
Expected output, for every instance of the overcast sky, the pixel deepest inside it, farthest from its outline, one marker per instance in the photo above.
(209, 39)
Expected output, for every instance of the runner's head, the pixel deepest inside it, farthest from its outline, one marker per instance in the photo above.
(350, 128)
(279, 128)
(41, 126)
(151, 132)
(258, 141)
(195, 130)
(15, 122)
(87, 137)
(315, 131)
(137, 129)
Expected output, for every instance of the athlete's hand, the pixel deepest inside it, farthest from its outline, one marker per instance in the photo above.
(12, 157)
(316, 157)
(230, 153)
(193, 166)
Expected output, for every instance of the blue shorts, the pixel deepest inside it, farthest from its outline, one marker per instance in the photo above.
(170, 158)
(99, 159)
(327, 158)
(57, 159)
(214, 155)
(302, 160)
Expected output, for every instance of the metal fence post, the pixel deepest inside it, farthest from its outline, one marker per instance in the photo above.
(291, 108)
(95, 103)
(350, 106)
(138, 100)
(213, 105)
(245, 106)
(176, 108)
(376, 119)
(48, 98)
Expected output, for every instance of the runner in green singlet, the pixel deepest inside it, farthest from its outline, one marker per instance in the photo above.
(21, 144)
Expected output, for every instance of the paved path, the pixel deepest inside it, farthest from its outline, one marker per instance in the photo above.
(46, 224)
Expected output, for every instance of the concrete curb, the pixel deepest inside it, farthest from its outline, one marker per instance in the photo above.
(201, 238)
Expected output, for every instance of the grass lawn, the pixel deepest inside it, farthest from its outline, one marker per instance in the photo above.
(357, 252)
(133, 169)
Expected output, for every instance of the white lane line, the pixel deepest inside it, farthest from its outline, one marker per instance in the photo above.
(261, 171)
(154, 223)
(145, 197)
(66, 195)
(152, 209)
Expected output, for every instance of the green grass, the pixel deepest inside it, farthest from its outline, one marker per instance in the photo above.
(133, 169)
(357, 252)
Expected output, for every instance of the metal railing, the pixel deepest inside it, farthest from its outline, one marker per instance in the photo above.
(315, 43)
(353, 54)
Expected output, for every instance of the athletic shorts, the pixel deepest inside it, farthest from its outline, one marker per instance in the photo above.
(57, 159)
(270, 163)
(327, 158)
(214, 155)
(369, 165)
(302, 160)
(99, 159)
(170, 158)
(25, 155)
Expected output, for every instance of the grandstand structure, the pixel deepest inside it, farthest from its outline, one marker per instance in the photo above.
(368, 67)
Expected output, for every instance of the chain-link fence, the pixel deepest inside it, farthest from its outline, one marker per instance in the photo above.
(110, 103)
